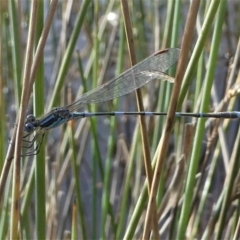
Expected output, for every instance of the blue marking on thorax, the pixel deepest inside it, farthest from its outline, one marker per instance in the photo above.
(52, 121)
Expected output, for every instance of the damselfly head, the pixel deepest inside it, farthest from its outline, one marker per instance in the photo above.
(30, 124)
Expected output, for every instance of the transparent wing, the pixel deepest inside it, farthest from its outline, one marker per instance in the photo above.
(149, 69)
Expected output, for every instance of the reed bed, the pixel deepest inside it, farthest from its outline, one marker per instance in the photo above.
(121, 177)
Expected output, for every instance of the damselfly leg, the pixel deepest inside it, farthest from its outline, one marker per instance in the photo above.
(31, 146)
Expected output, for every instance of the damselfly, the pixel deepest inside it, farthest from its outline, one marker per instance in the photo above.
(151, 68)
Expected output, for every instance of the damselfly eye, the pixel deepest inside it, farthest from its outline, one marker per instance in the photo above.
(29, 127)
(31, 118)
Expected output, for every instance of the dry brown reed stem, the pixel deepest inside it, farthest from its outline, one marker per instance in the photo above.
(19, 132)
(163, 145)
(36, 60)
(143, 127)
